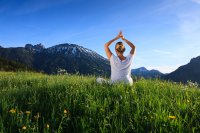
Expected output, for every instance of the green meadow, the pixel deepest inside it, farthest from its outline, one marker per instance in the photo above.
(33, 102)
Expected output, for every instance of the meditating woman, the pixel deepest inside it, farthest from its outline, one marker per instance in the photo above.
(120, 64)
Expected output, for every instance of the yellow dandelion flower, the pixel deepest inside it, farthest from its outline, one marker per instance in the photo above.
(28, 112)
(12, 111)
(65, 111)
(172, 117)
(20, 113)
(47, 125)
(24, 128)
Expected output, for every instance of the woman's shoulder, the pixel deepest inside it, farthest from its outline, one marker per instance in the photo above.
(113, 58)
(129, 56)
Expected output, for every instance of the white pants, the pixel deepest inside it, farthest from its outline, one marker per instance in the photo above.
(102, 80)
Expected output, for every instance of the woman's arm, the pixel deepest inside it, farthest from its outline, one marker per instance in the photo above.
(106, 46)
(130, 44)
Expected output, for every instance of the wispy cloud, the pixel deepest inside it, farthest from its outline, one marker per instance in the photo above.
(38, 5)
(164, 68)
(189, 24)
(185, 17)
(167, 5)
(196, 1)
(75, 34)
(162, 51)
(189, 32)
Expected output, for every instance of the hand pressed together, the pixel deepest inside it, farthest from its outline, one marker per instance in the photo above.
(120, 35)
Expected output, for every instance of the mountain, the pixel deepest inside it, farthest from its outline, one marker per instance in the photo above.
(143, 72)
(190, 71)
(71, 57)
(6, 65)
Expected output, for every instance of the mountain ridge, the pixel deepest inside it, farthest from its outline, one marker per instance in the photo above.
(143, 72)
(187, 72)
(71, 57)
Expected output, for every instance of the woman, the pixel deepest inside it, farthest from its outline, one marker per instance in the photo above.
(120, 65)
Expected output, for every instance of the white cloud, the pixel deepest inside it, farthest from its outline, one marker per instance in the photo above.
(189, 33)
(164, 69)
(162, 51)
(183, 38)
(168, 5)
(190, 25)
(187, 29)
(196, 1)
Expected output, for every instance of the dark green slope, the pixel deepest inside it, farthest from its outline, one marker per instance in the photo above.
(6, 65)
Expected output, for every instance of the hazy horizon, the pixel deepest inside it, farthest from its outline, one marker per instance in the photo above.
(166, 33)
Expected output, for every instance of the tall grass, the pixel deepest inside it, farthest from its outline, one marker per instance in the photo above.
(32, 102)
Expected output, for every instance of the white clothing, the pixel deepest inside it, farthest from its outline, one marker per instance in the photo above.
(121, 70)
(101, 80)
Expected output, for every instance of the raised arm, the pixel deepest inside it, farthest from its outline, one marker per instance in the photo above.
(130, 44)
(106, 46)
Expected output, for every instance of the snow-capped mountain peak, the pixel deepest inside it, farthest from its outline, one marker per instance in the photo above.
(73, 50)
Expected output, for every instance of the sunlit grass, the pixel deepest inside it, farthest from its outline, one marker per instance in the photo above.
(33, 102)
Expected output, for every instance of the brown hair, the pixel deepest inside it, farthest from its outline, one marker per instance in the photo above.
(120, 47)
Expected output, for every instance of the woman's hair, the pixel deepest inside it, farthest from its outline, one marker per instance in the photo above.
(120, 47)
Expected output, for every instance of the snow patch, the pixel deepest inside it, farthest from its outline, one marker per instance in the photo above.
(74, 50)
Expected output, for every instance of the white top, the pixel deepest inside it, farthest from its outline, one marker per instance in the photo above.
(121, 70)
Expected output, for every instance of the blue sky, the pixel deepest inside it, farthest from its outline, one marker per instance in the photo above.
(166, 32)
